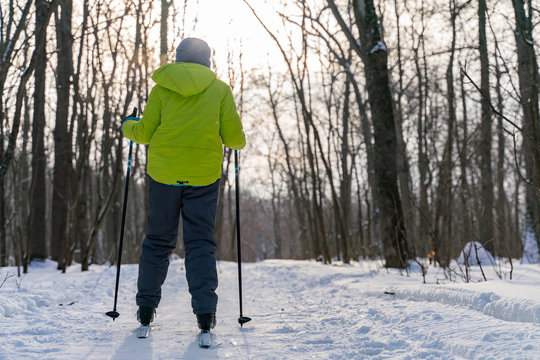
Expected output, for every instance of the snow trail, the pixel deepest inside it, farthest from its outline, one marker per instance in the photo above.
(300, 310)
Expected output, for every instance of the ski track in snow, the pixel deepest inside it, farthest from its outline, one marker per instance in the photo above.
(300, 310)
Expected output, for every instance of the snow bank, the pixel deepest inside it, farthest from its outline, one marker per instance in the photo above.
(23, 302)
(473, 253)
(488, 303)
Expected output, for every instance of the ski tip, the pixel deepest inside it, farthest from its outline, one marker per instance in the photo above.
(113, 314)
(243, 319)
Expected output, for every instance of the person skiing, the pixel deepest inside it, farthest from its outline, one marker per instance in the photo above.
(189, 116)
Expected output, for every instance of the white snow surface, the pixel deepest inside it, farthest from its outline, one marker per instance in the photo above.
(474, 253)
(300, 310)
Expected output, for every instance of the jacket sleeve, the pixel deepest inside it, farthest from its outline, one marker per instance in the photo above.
(230, 128)
(142, 131)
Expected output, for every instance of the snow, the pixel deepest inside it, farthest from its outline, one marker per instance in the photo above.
(379, 46)
(531, 254)
(474, 253)
(300, 310)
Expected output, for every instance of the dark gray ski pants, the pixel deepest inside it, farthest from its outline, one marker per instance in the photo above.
(198, 208)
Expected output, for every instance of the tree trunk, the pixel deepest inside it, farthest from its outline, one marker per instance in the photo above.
(3, 240)
(62, 138)
(37, 246)
(466, 234)
(370, 158)
(424, 219)
(345, 188)
(528, 87)
(402, 158)
(163, 32)
(443, 213)
(502, 233)
(486, 192)
(373, 53)
(394, 238)
(7, 47)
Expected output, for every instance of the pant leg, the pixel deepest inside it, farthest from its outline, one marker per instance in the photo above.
(165, 203)
(198, 220)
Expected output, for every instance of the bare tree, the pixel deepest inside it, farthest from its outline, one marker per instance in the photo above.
(40, 39)
(486, 211)
(36, 247)
(373, 52)
(8, 39)
(402, 156)
(529, 83)
(62, 138)
(164, 47)
(339, 165)
(424, 183)
(443, 209)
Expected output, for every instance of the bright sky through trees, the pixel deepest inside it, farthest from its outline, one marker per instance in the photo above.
(231, 26)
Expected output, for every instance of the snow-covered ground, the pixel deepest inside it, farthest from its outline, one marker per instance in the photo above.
(300, 310)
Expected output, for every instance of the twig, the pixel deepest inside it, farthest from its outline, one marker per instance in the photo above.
(423, 269)
(517, 163)
(8, 275)
(496, 112)
(511, 266)
(19, 282)
(509, 260)
(479, 262)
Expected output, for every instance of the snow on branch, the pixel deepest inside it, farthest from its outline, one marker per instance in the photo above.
(380, 46)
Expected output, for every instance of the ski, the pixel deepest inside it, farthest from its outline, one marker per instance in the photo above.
(143, 331)
(205, 339)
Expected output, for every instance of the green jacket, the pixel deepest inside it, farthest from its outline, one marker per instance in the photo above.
(189, 114)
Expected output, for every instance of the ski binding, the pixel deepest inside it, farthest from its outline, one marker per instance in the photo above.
(143, 332)
(205, 339)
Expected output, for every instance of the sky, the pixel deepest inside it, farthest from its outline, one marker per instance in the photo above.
(226, 24)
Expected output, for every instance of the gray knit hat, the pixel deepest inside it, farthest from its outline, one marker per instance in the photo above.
(193, 50)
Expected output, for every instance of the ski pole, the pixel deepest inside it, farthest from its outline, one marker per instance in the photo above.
(242, 319)
(114, 314)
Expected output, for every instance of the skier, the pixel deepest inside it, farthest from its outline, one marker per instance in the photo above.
(188, 116)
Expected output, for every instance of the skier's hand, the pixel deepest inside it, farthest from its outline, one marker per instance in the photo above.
(134, 118)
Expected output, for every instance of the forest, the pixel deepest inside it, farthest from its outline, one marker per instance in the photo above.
(393, 129)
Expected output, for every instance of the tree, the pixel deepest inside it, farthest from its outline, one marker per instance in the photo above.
(528, 86)
(62, 138)
(164, 49)
(443, 209)
(373, 52)
(36, 247)
(486, 177)
(8, 41)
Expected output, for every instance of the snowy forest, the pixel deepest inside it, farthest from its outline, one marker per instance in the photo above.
(394, 130)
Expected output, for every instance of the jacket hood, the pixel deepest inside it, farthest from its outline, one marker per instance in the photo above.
(186, 79)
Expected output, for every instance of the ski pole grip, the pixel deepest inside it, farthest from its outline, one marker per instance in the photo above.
(133, 116)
